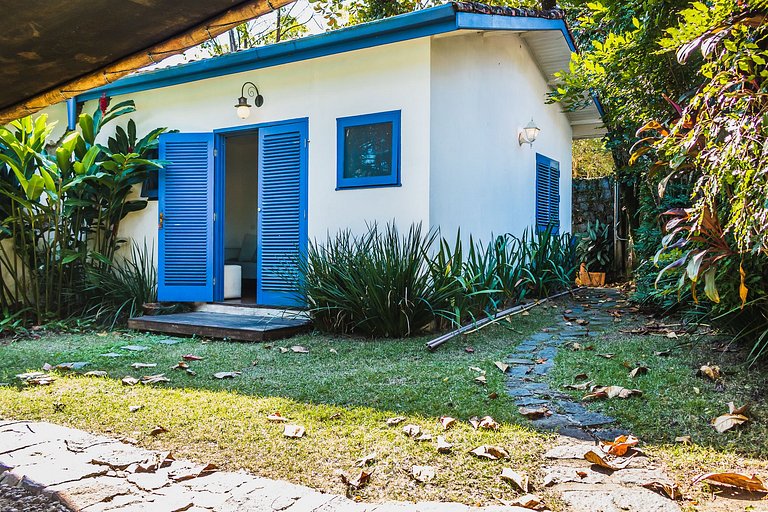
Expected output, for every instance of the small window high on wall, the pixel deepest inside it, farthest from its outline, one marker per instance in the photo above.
(368, 150)
(547, 193)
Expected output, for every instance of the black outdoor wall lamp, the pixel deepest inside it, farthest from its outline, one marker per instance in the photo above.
(243, 107)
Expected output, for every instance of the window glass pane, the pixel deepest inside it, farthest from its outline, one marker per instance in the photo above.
(368, 150)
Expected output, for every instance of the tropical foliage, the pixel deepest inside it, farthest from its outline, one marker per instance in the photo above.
(61, 209)
(595, 246)
(384, 283)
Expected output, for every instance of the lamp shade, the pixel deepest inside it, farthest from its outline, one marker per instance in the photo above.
(529, 133)
(243, 111)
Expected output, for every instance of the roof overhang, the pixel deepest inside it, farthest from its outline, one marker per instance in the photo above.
(51, 51)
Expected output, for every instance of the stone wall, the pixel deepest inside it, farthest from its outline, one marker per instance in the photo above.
(592, 199)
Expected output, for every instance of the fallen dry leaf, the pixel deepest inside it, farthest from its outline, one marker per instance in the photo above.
(728, 421)
(227, 375)
(135, 408)
(737, 410)
(295, 431)
(423, 474)
(478, 370)
(606, 355)
(486, 422)
(640, 370)
(683, 439)
(581, 321)
(579, 387)
(612, 392)
(663, 353)
(750, 483)
(181, 365)
(138, 366)
(191, 357)
(159, 429)
(596, 458)
(469, 350)
(671, 491)
(333, 351)
(424, 437)
(493, 396)
(443, 446)
(502, 366)
(490, 452)
(520, 480)
(284, 350)
(358, 480)
(530, 501)
(619, 446)
(534, 412)
(276, 417)
(711, 372)
(129, 381)
(154, 379)
(364, 461)
(298, 349)
(36, 378)
(672, 335)
(96, 373)
(391, 422)
(412, 430)
(447, 422)
(481, 379)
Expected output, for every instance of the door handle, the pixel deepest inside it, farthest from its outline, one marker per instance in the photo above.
(160, 221)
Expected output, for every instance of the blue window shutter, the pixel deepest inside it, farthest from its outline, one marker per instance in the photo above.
(554, 195)
(185, 252)
(282, 230)
(547, 193)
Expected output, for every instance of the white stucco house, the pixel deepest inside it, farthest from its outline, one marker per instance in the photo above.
(412, 119)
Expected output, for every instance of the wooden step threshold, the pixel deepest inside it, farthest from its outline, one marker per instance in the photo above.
(222, 326)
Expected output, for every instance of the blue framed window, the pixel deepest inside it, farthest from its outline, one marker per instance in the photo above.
(547, 193)
(368, 150)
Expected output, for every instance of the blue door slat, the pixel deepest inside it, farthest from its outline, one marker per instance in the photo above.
(282, 227)
(185, 252)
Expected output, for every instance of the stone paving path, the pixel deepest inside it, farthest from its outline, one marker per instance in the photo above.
(93, 473)
(535, 357)
(582, 486)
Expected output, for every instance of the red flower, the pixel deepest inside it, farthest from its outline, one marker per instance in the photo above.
(103, 103)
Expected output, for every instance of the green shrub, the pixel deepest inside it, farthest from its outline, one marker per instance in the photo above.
(120, 289)
(385, 284)
(60, 210)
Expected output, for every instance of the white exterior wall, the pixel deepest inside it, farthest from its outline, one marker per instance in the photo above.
(463, 96)
(382, 78)
(485, 87)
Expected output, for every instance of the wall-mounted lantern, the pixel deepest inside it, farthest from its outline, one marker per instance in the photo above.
(528, 134)
(243, 107)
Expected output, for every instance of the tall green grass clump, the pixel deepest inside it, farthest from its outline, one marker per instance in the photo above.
(387, 284)
(123, 287)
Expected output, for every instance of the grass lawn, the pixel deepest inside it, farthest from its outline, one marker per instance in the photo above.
(344, 389)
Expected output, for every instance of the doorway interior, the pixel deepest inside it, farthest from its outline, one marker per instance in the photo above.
(241, 200)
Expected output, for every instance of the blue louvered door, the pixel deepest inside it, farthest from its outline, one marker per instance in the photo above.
(547, 193)
(282, 228)
(185, 224)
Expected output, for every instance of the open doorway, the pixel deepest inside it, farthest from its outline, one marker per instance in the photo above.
(241, 218)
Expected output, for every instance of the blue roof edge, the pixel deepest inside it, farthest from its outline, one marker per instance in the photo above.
(413, 25)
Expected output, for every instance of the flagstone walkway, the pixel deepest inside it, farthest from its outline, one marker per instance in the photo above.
(534, 357)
